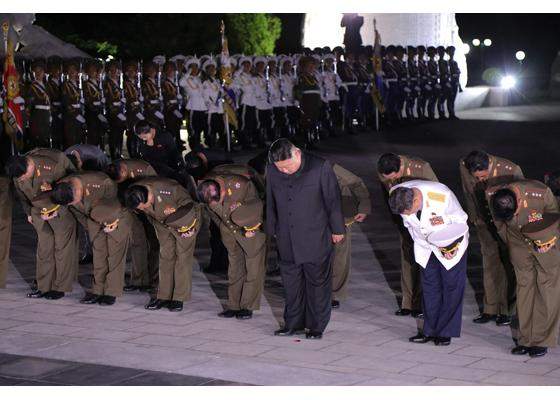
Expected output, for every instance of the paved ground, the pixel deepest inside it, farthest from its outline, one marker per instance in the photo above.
(365, 344)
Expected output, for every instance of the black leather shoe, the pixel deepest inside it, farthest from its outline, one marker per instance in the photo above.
(288, 332)
(107, 300)
(35, 294)
(484, 318)
(175, 306)
(244, 314)
(87, 259)
(537, 351)
(228, 314)
(156, 304)
(313, 335)
(442, 341)
(54, 295)
(90, 298)
(403, 312)
(520, 350)
(335, 304)
(417, 314)
(420, 338)
(503, 320)
(131, 288)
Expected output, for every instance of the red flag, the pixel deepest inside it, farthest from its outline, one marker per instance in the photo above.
(12, 112)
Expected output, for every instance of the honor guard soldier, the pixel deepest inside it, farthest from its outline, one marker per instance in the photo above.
(144, 246)
(402, 78)
(331, 84)
(356, 206)
(82, 193)
(391, 82)
(72, 101)
(94, 108)
(444, 81)
(57, 245)
(133, 107)
(160, 198)
(287, 82)
(308, 93)
(521, 212)
(433, 75)
(479, 171)
(393, 169)
(454, 75)
(213, 97)
(265, 118)
(350, 91)
(244, 87)
(196, 106)
(235, 206)
(275, 97)
(6, 203)
(413, 83)
(150, 92)
(53, 86)
(115, 109)
(424, 82)
(171, 106)
(438, 226)
(38, 105)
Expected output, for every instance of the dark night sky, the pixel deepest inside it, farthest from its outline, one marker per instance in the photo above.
(537, 34)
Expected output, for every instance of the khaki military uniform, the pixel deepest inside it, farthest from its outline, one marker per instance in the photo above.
(246, 255)
(412, 168)
(243, 170)
(176, 253)
(538, 275)
(171, 112)
(355, 200)
(498, 277)
(74, 121)
(144, 247)
(38, 106)
(152, 102)
(109, 250)
(57, 244)
(115, 116)
(5, 227)
(96, 121)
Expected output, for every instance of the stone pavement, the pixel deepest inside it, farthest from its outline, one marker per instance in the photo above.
(365, 343)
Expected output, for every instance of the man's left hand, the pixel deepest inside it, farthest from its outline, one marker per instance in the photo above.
(188, 233)
(337, 238)
(109, 229)
(360, 217)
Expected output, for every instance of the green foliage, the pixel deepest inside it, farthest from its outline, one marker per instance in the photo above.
(252, 33)
(94, 48)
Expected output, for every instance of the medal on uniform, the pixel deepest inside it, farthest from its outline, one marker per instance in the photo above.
(535, 216)
(436, 220)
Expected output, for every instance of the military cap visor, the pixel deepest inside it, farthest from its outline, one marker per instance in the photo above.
(184, 219)
(248, 215)
(107, 212)
(544, 231)
(44, 203)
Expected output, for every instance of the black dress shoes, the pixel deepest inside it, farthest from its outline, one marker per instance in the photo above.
(244, 314)
(537, 351)
(442, 341)
(131, 288)
(420, 338)
(313, 335)
(228, 314)
(503, 320)
(54, 295)
(484, 318)
(288, 332)
(417, 314)
(175, 306)
(335, 304)
(90, 298)
(107, 300)
(403, 312)
(87, 259)
(156, 304)
(520, 350)
(35, 294)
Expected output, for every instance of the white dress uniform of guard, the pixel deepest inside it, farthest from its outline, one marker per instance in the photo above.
(213, 97)
(287, 83)
(265, 119)
(438, 225)
(191, 84)
(244, 88)
(275, 96)
(330, 85)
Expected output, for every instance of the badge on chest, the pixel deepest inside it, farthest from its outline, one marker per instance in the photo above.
(436, 220)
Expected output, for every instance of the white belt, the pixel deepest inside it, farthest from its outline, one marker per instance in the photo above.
(391, 80)
(75, 105)
(42, 107)
(311, 92)
(154, 101)
(172, 101)
(56, 103)
(96, 103)
(135, 103)
(116, 103)
(349, 83)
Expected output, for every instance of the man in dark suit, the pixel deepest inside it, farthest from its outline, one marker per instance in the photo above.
(304, 213)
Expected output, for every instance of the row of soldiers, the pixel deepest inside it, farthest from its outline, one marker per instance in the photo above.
(517, 222)
(310, 95)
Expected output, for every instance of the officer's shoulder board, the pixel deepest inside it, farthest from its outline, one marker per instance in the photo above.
(437, 196)
(414, 166)
(503, 167)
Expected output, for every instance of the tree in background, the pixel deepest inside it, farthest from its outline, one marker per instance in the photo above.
(253, 33)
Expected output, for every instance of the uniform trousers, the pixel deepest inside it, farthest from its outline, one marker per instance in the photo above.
(411, 287)
(443, 292)
(144, 249)
(40, 128)
(308, 294)
(198, 123)
(265, 123)
(5, 227)
(341, 265)
(248, 128)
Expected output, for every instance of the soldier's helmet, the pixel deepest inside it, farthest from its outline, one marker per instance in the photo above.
(390, 49)
(92, 63)
(441, 49)
(184, 218)
(71, 63)
(421, 48)
(130, 64)
(54, 63)
(39, 63)
(411, 49)
(450, 49)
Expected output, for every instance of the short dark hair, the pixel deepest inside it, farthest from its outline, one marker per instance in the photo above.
(401, 200)
(134, 196)
(62, 193)
(194, 165)
(208, 191)
(16, 166)
(504, 204)
(477, 160)
(143, 126)
(113, 170)
(388, 163)
(280, 150)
